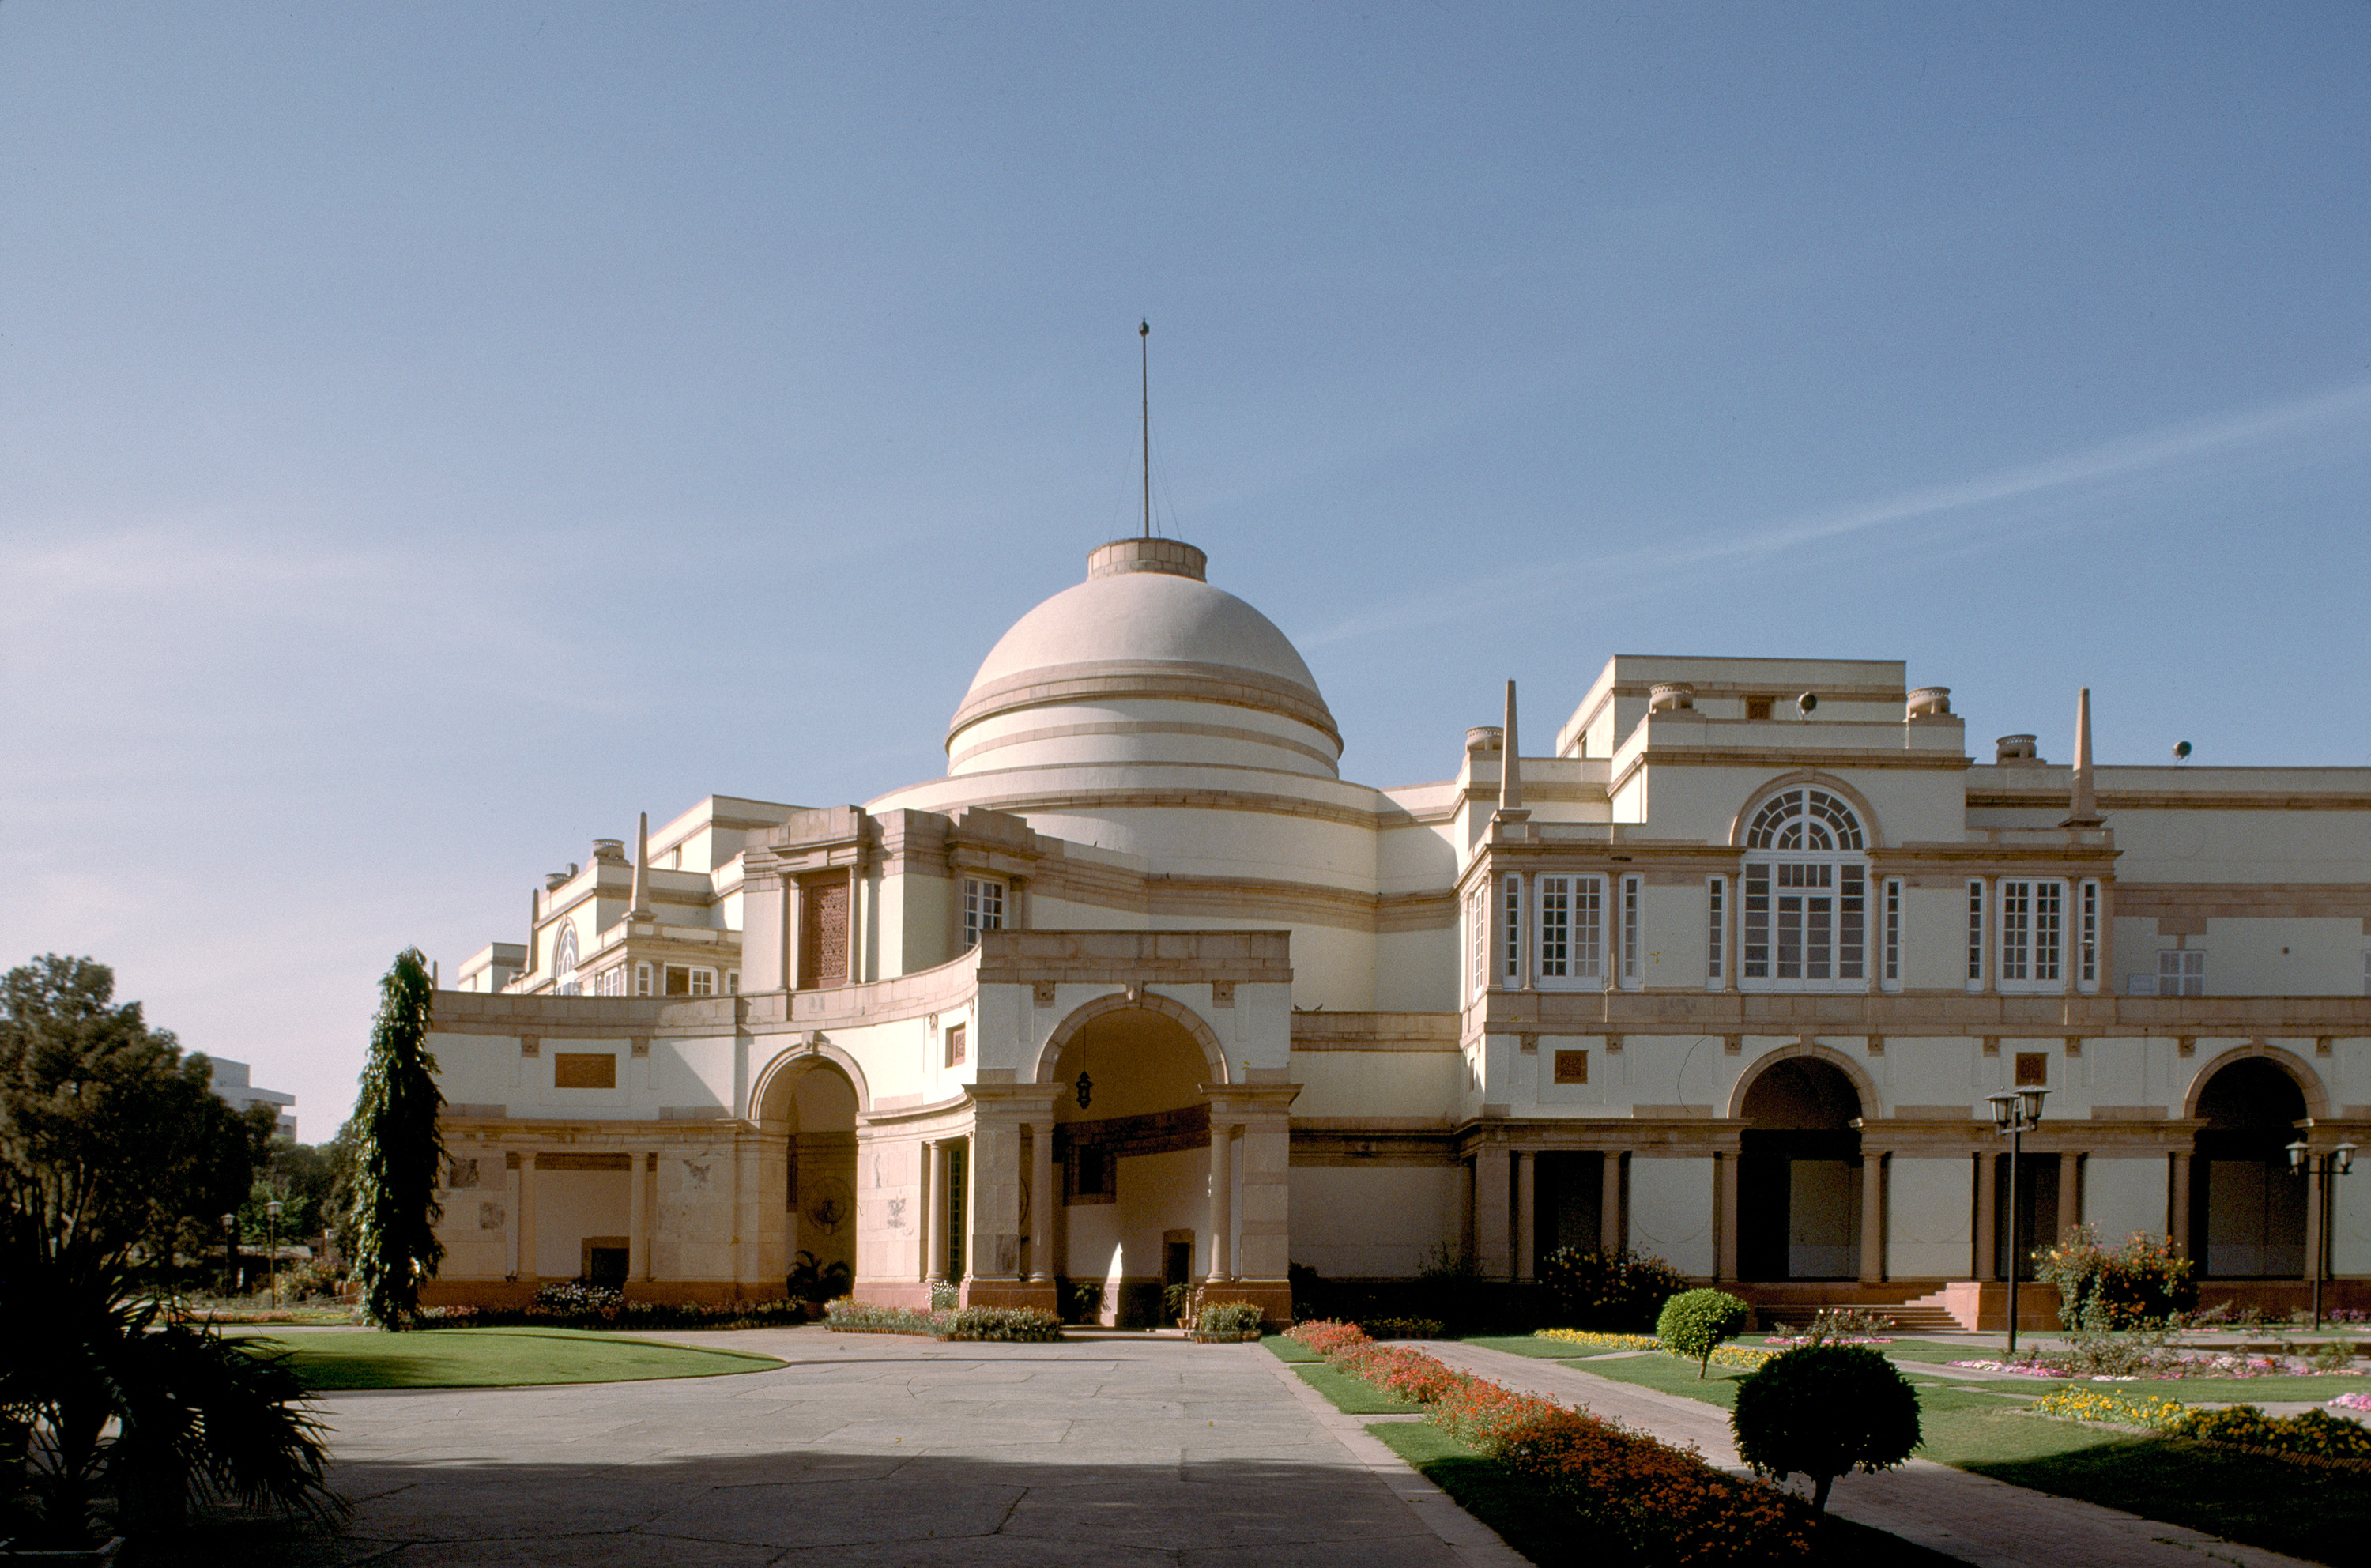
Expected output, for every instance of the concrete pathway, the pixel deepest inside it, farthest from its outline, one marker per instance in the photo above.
(1972, 1517)
(882, 1450)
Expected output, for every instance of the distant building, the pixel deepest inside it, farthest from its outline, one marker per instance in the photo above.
(230, 1083)
(1142, 991)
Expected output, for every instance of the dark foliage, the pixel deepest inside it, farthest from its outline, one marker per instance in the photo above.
(401, 1150)
(1620, 1292)
(113, 1147)
(1825, 1410)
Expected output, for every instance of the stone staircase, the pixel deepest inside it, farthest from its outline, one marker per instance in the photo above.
(1929, 1314)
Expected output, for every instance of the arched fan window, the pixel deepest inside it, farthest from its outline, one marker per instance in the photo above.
(1806, 910)
(563, 961)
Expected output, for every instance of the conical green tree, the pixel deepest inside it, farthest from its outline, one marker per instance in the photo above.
(402, 1152)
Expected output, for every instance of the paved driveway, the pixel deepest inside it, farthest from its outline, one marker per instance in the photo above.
(886, 1450)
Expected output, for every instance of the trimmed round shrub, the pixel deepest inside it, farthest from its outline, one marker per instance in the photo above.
(1825, 1410)
(1694, 1323)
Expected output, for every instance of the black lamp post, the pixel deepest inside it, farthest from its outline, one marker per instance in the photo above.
(2014, 1113)
(230, 1248)
(2328, 1164)
(272, 1220)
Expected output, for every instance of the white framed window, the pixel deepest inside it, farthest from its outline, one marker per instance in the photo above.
(2033, 923)
(2086, 937)
(611, 982)
(2181, 973)
(1630, 930)
(642, 979)
(983, 908)
(1890, 974)
(1975, 933)
(731, 982)
(1510, 920)
(1806, 911)
(1478, 940)
(563, 962)
(703, 982)
(1571, 926)
(1716, 930)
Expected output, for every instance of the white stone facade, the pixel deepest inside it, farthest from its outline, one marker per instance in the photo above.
(1142, 991)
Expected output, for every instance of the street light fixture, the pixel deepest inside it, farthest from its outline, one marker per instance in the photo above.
(2325, 1166)
(271, 1218)
(230, 1248)
(2014, 1114)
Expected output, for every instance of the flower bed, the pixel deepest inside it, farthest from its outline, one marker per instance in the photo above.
(2151, 1410)
(2165, 1364)
(1659, 1504)
(1591, 1340)
(1749, 1357)
(2312, 1437)
(2353, 1402)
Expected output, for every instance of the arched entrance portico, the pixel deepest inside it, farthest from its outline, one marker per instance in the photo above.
(2247, 1212)
(1800, 1189)
(807, 1123)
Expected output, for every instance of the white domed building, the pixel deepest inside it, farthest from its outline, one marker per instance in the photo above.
(1141, 992)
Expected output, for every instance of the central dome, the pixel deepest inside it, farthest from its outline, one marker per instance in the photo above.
(1144, 661)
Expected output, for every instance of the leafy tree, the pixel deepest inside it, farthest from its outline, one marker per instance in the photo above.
(1694, 1323)
(1825, 1410)
(401, 1150)
(113, 1147)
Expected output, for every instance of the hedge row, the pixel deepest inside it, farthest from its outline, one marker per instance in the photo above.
(1658, 1504)
(1007, 1325)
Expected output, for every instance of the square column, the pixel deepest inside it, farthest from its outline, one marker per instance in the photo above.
(1726, 1217)
(934, 1215)
(1609, 1218)
(1527, 1178)
(2070, 1198)
(1493, 1185)
(638, 1218)
(2177, 1220)
(527, 1275)
(1222, 1182)
(992, 1250)
(1872, 1217)
(1987, 1264)
(1045, 1204)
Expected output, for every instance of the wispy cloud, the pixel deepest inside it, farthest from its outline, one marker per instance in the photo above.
(2147, 455)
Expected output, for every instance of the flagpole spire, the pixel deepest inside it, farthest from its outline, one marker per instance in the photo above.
(1144, 370)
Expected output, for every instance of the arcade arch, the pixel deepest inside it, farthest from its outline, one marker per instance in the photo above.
(1132, 1158)
(1799, 1172)
(807, 1118)
(2247, 1212)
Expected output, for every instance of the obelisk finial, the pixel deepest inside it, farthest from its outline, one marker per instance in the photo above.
(2084, 807)
(1510, 769)
(642, 909)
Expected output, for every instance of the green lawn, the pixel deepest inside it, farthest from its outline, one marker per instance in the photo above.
(2320, 1515)
(1285, 1349)
(490, 1358)
(1354, 1396)
(1538, 1349)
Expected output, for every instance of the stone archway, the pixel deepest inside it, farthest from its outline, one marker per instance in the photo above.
(1800, 1170)
(806, 1110)
(2248, 1211)
(1132, 1164)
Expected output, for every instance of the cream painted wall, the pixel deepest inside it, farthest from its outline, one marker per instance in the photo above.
(1374, 1222)
(1670, 1212)
(571, 1206)
(1375, 1083)
(2121, 1196)
(1929, 1230)
(693, 1222)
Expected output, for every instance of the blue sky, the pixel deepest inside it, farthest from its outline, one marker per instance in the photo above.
(429, 436)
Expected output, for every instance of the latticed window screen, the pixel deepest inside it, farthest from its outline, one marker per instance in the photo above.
(1571, 929)
(1975, 930)
(2032, 929)
(1716, 899)
(983, 908)
(1806, 919)
(1892, 931)
(2088, 970)
(1512, 946)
